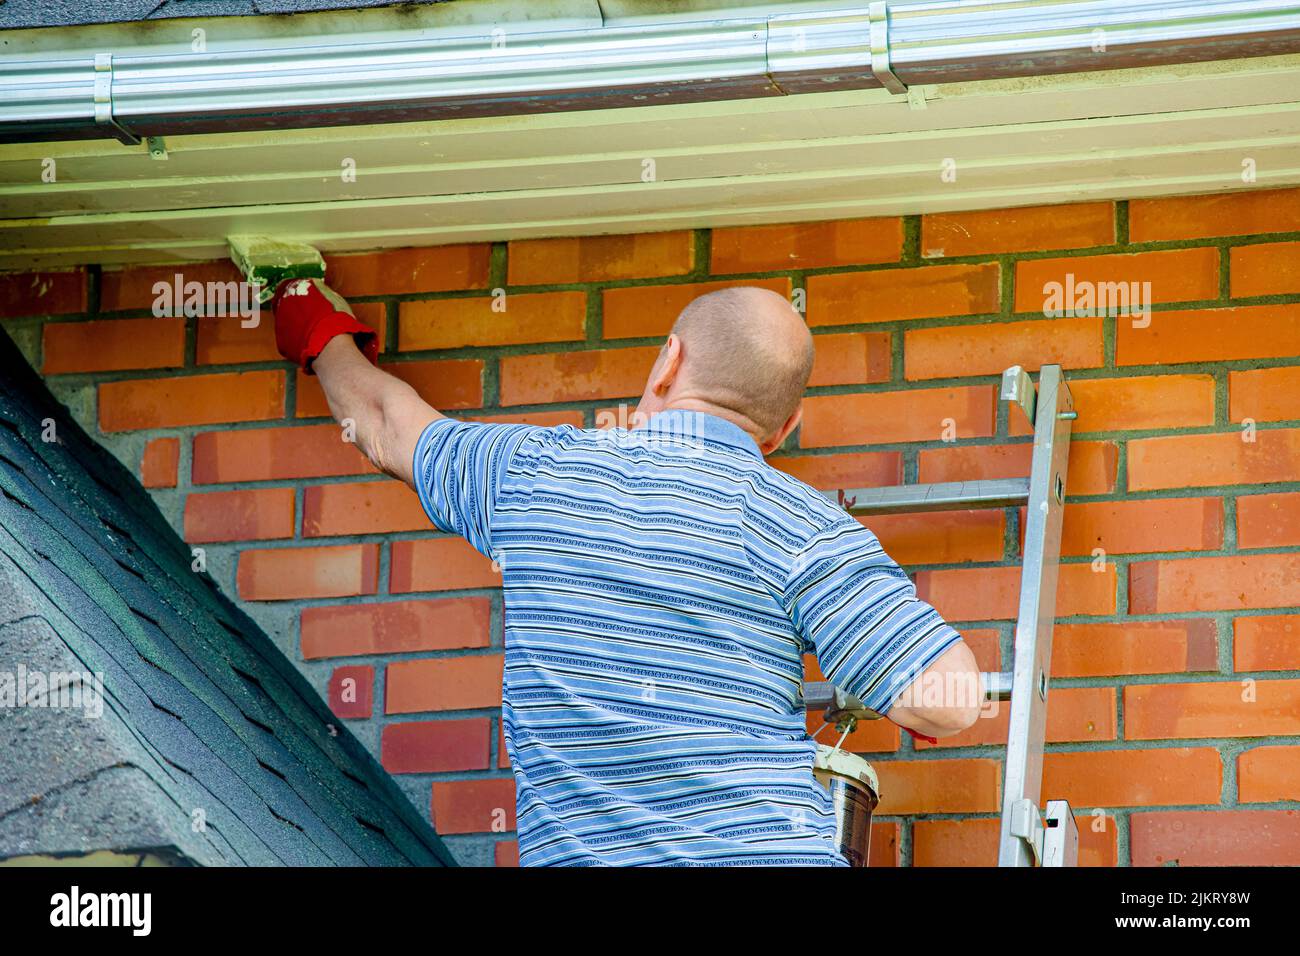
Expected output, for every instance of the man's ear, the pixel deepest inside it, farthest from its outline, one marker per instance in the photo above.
(669, 364)
(773, 442)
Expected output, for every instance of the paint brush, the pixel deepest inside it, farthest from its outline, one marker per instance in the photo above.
(266, 262)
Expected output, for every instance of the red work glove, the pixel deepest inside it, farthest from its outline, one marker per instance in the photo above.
(308, 313)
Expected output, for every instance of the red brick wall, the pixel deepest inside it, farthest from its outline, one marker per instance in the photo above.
(1175, 723)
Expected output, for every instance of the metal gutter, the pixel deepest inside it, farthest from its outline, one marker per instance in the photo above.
(413, 74)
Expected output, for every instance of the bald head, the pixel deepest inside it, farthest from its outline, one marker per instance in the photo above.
(748, 350)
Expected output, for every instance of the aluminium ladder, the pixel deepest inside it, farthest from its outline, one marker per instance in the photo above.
(1027, 838)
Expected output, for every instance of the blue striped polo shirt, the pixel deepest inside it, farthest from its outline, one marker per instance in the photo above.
(661, 587)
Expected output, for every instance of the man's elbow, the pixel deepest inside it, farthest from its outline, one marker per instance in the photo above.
(948, 697)
(951, 720)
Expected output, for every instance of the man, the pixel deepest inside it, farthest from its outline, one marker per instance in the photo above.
(661, 587)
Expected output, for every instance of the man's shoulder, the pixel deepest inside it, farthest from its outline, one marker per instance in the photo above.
(820, 509)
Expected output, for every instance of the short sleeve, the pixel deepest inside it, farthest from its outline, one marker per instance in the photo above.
(459, 470)
(858, 611)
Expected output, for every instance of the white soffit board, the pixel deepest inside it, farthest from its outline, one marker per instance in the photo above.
(1043, 140)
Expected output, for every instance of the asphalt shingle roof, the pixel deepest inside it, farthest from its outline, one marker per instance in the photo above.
(203, 717)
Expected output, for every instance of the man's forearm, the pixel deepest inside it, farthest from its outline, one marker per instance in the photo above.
(386, 414)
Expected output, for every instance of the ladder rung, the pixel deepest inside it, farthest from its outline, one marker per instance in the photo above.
(944, 496)
(998, 684)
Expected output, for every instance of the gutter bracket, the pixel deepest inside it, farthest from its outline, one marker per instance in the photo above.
(104, 101)
(881, 67)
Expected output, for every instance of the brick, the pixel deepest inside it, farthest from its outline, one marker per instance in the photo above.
(1239, 213)
(1214, 584)
(503, 753)
(1264, 394)
(903, 416)
(395, 627)
(1210, 335)
(1076, 715)
(1137, 402)
(1135, 647)
(1229, 708)
(971, 785)
(351, 692)
(1267, 774)
(1191, 461)
(444, 683)
(1133, 527)
(449, 384)
(960, 536)
(892, 295)
(454, 323)
(159, 463)
(851, 358)
(473, 806)
(993, 594)
(1176, 275)
(109, 345)
(971, 842)
(1270, 268)
(883, 850)
(1092, 470)
(1024, 229)
(869, 737)
(651, 310)
(226, 341)
(1266, 643)
(1133, 778)
(243, 515)
(406, 271)
(439, 564)
(281, 574)
(270, 454)
(986, 644)
(436, 746)
(600, 258)
(871, 469)
(1268, 521)
(806, 245)
(505, 853)
(365, 507)
(974, 842)
(542, 419)
(191, 400)
(42, 293)
(1215, 838)
(133, 287)
(575, 376)
(956, 350)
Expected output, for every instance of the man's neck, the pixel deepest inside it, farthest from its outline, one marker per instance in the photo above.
(688, 404)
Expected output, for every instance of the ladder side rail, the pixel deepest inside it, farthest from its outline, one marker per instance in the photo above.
(1022, 785)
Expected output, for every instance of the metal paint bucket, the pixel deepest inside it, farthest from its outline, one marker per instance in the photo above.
(855, 792)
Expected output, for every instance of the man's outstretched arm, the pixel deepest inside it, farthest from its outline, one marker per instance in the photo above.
(316, 330)
(387, 414)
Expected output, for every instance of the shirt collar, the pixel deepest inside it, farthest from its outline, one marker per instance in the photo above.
(701, 426)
